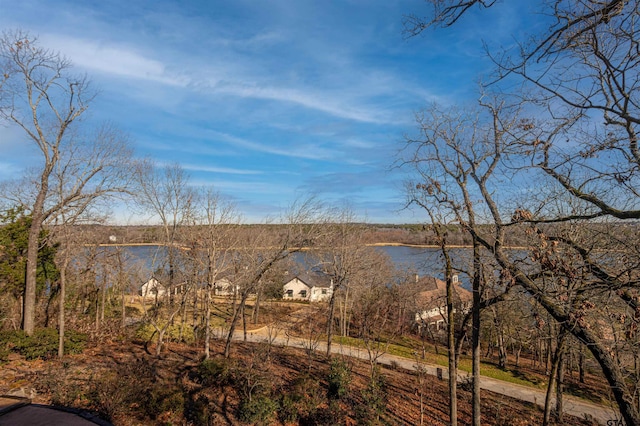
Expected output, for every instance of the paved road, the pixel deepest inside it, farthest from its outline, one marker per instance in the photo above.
(572, 405)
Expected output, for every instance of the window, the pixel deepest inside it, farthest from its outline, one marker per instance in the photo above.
(289, 293)
(303, 293)
(324, 291)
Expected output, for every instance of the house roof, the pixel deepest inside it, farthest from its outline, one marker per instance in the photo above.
(433, 291)
(314, 279)
(153, 281)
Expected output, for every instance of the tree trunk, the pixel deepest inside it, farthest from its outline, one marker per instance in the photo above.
(451, 344)
(207, 309)
(61, 300)
(234, 322)
(123, 293)
(244, 321)
(581, 364)
(502, 350)
(207, 323)
(344, 324)
(555, 361)
(97, 308)
(183, 321)
(475, 335)
(256, 308)
(103, 299)
(31, 269)
(123, 306)
(195, 317)
(160, 340)
(560, 385)
(332, 305)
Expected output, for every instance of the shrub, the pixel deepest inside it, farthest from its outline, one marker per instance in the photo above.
(259, 410)
(133, 390)
(288, 412)
(63, 384)
(4, 353)
(197, 411)
(374, 401)
(75, 342)
(43, 343)
(162, 399)
(339, 379)
(214, 372)
(302, 401)
(6, 343)
(111, 394)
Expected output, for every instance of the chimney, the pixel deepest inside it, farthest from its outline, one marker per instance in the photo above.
(417, 277)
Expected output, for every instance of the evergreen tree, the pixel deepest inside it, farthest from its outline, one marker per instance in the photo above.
(14, 230)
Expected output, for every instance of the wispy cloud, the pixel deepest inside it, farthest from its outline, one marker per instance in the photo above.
(226, 170)
(307, 151)
(334, 106)
(246, 189)
(236, 78)
(112, 59)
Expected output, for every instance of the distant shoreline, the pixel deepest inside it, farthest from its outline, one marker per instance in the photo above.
(412, 245)
(429, 246)
(368, 245)
(124, 244)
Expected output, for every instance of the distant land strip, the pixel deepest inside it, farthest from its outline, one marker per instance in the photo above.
(430, 246)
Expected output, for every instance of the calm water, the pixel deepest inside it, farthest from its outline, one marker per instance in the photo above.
(428, 261)
(424, 261)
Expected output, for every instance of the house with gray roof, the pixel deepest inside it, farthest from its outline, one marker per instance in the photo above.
(312, 287)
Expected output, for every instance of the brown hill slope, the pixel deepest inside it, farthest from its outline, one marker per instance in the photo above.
(128, 386)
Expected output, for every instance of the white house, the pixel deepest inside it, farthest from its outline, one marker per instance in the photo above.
(432, 300)
(152, 288)
(310, 287)
(224, 287)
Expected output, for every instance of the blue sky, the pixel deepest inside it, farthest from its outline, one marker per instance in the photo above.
(266, 100)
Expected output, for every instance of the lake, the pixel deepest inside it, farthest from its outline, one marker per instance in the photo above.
(423, 260)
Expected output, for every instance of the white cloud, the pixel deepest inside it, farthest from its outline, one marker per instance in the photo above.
(261, 188)
(326, 102)
(235, 77)
(113, 59)
(213, 169)
(306, 151)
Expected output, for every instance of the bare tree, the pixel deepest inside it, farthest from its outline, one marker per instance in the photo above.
(341, 256)
(40, 95)
(299, 227)
(375, 305)
(217, 241)
(454, 157)
(580, 82)
(166, 194)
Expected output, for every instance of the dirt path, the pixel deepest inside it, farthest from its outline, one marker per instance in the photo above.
(572, 405)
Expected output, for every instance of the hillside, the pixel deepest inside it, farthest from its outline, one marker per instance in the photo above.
(128, 386)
